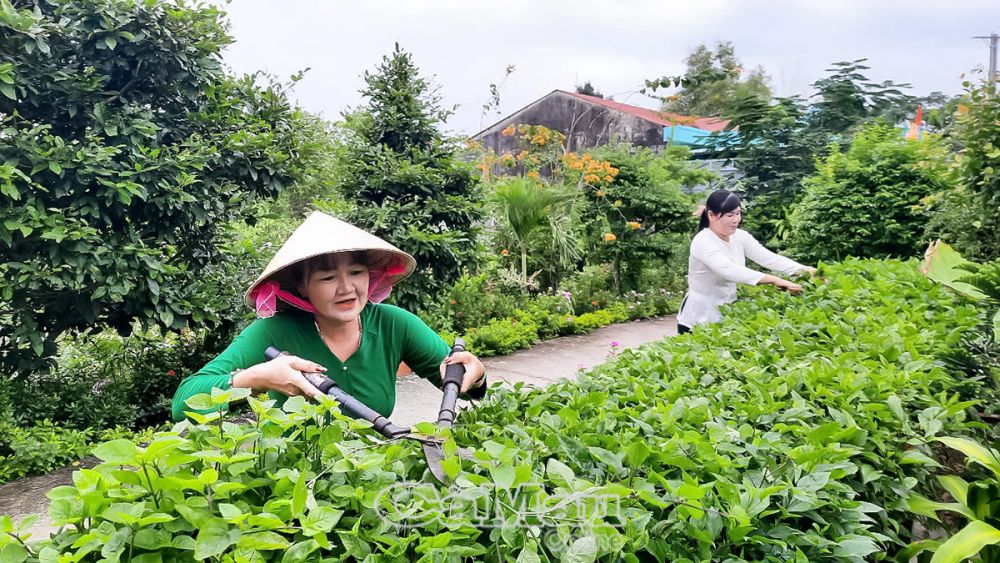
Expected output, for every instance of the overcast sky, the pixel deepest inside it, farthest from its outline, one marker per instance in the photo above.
(464, 45)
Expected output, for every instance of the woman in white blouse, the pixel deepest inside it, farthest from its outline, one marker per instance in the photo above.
(718, 262)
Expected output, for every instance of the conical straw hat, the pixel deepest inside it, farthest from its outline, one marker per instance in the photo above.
(323, 234)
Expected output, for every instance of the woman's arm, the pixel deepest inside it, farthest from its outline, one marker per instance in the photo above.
(427, 354)
(757, 252)
(790, 287)
(716, 260)
(243, 361)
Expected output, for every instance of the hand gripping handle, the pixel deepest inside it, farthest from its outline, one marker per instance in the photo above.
(454, 374)
(348, 402)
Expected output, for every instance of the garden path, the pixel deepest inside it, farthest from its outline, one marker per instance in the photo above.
(416, 399)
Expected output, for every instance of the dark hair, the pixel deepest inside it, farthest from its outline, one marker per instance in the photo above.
(721, 201)
(300, 271)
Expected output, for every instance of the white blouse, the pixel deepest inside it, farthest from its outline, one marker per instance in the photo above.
(715, 267)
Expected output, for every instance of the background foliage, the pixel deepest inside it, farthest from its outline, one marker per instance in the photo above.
(126, 146)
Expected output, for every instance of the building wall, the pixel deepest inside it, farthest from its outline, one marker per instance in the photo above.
(585, 125)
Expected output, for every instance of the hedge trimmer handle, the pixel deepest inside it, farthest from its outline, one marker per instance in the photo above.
(454, 374)
(348, 402)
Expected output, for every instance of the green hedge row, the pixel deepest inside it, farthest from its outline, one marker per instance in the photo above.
(794, 430)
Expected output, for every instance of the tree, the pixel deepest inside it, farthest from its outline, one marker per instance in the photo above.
(588, 90)
(405, 181)
(527, 205)
(125, 146)
(864, 202)
(637, 217)
(968, 215)
(778, 142)
(714, 81)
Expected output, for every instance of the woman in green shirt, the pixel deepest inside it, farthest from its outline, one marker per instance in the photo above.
(335, 276)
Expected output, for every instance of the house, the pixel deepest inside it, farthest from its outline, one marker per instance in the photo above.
(589, 121)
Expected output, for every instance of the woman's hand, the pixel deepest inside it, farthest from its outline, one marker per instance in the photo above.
(790, 287)
(282, 374)
(780, 283)
(474, 369)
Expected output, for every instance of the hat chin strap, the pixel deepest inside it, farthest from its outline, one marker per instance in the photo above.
(265, 296)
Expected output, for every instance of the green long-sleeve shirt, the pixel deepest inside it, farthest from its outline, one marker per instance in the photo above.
(389, 335)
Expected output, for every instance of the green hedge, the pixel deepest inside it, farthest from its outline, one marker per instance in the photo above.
(794, 430)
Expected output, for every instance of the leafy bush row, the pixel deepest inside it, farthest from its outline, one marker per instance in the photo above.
(795, 430)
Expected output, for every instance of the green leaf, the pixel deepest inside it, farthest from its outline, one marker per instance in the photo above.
(559, 473)
(151, 538)
(124, 513)
(957, 487)
(299, 552)
(299, 496)
(201, 402)
(967, 542)
(504, 475)
(8, 91)
(214, 538)
(942, 264)
(855, 547)
(13, 553)
(452, 466)
(263, 541)
(321, 519)
(583, 550)
(120, 451)
(976, 452)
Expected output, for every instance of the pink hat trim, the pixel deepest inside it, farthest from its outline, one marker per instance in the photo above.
(265, 296)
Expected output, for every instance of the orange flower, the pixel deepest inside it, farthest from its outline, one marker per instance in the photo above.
(504, 252)
(453, 302)
(522, 155)
(635, 225)
(610, 237)
(962, 109)
(508, 131)
(594, 303)
(600, 193)
(534, 175)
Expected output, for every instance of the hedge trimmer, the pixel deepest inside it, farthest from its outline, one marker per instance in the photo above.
(433, 452)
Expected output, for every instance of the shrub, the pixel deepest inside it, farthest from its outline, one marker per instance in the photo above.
(104, 380)
(969, 216)
(866, 202)
(39, 449)
(595, 283)
(616, 313)
(474, 301)
(550, 313)
(501, 336)
(126, 147)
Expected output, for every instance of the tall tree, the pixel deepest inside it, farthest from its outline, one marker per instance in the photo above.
(405, 180)
(778, 142)
(714, 81)
(125, 146)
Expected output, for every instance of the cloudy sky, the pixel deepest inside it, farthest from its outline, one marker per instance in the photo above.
(465, 45)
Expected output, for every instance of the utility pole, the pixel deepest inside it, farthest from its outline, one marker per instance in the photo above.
(994, 38)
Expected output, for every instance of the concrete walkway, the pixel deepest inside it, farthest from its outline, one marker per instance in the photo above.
(416, 399)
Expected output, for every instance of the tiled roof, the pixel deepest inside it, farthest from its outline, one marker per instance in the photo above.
(659, 117)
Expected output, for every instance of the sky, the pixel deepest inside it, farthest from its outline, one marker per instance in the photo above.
(465, 45)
